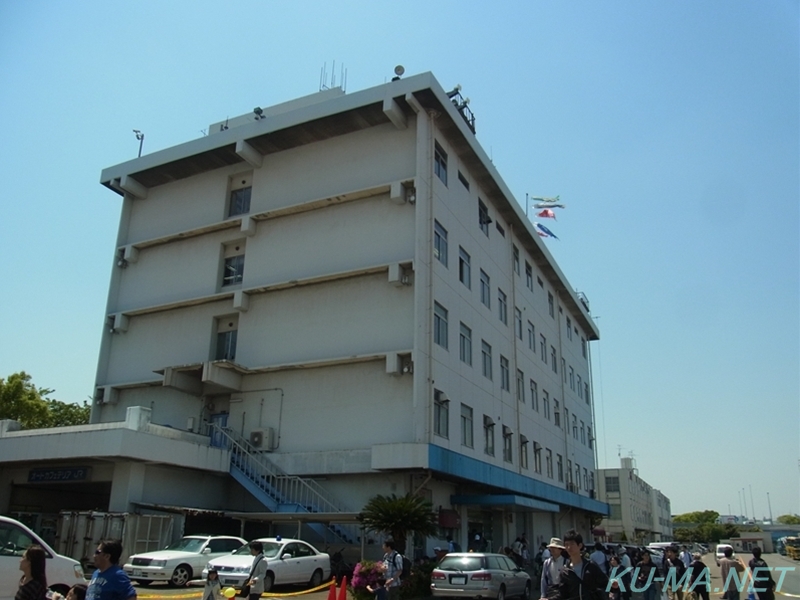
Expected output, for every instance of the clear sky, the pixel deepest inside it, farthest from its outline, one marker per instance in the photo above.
(669, 128)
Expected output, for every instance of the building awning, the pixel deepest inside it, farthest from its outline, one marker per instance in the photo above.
(181, 510)
(303, 517)
(504, 501)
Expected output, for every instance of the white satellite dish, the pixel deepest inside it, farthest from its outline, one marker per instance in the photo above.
(399, 70)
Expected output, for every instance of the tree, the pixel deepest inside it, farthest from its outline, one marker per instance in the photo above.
(22, 401)
(789, 519)
(697, 517)
(399, 517)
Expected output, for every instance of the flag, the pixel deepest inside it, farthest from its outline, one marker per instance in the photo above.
(549, 205)
(545, 200)
(547, 214)
(544, 231)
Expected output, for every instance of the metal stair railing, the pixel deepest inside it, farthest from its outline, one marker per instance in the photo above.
(305, 494)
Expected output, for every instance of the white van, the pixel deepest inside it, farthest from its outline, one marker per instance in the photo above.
(62, 572)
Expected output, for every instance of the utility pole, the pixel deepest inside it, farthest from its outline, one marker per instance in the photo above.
(770, 508)
(752, 505)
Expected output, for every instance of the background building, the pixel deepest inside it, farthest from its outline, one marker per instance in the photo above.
(639, 513)
(324, 300)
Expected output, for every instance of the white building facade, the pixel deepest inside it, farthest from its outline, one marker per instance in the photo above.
(338, 294)
(639, 513)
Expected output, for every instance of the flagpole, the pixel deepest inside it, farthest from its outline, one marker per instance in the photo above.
(526, 205)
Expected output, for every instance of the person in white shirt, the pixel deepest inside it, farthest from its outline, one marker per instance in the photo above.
(686, 557)
(598, 557)
(551, 570)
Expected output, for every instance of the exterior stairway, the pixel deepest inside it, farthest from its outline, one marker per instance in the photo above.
(279, 491)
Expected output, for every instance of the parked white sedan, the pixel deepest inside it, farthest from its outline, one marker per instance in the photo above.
(288, 561)
(181, 561)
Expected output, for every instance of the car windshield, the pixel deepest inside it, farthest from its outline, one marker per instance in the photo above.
(461, 563)
(187, 545)
(270, 549)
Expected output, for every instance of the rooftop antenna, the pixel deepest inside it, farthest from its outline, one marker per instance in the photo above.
(139, 136)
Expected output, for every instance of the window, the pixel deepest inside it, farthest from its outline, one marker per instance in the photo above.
(550, 305)
(463, 180)
(589, 437)
(14, 542)
(540, 282)
(537, 457)
(488, 435)
(580, 388)
(505, 384)
(583, 346)
(575, 427)
(612, 484)
(534, 396)
(553, 363)
(486, 352)
(483, 218)
(523, 452)
(566, 419)
(508, 442)
(486, 290)
(440, 325)
(466, 426)
(549, 463)
(586, 479)
(569, 328)
(563, 370)
(556, 413)
(586, 392)
(465, 345)
(515, 253)
(520, 386)
(583, 433)
(560, 467)
(518, 322)
(502, 301)
(440, 162)
(441, 414)
(531, 337)
(464, 269)
(233, 265)
(440, 242)
(591, 481)
(578, 475)
(569, 471)
(543, 347)
(500, 229)
(528, 275)
(546, 404)
(572, 379)
(241, 187)
(227, 333)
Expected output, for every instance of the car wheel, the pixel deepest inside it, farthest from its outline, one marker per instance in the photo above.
(181, 576)
(316, 578)
(526, 595)
(269, 579)
(143, 582)
(501, 593)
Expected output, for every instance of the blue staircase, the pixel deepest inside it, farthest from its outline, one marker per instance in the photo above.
(277, 490)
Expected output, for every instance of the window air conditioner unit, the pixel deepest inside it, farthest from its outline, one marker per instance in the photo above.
(263, 439)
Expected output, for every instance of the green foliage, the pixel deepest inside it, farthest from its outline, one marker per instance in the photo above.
(706, 533)
(698, 516)
(399, 517)
(418, 585)
(22, 401)
(789, 519)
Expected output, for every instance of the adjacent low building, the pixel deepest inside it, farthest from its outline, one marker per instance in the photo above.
(639, 513)
(318, 302)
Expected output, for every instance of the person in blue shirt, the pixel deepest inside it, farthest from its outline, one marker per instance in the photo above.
(109, 581)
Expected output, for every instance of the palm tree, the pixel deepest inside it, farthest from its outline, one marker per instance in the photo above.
(399, 517)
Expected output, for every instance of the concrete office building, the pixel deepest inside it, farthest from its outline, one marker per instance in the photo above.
(638, 510)
(342, 289)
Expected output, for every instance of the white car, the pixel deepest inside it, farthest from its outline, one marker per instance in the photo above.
(181, 561)
(720, 552)
(288, 561)
(62, 572)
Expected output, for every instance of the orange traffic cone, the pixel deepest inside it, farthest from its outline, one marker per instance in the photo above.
(332, 590)
(343, 589)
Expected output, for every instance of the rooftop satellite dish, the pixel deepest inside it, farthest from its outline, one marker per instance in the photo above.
(399, 70)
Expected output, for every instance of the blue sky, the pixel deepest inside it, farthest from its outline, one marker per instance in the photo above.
(670, 130)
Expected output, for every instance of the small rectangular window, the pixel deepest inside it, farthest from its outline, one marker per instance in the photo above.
(488, 435)
(589, 437)
(543, 347)
(537, 457)
(233, 270)
(500, 229)
(531, 337)
(569, 328)
(486, 359)
(546, 404)
(463, 180)
(520, 386)
(440, 325)
(515, 252)
(586, 392)
(486, 290)
(572, 379)
(502, 301)
(556, 414)
(483, 218)
(505, 382)
(441, 414)
(523, 452)
(440, 243)
(508, 443)
(583, 346)
(227, 334)
(579, 385)
(549, 461)
(551, 305)
(518, 322)
(464, 268)
(553, 362)
(241, 187)
(528, 276)
(534, 395)
(540, 282)
(612, 484)
(560, 467)
(465, 345)
(466, 426)
(440, 163)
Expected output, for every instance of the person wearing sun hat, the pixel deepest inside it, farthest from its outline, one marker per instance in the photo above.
(551, 569)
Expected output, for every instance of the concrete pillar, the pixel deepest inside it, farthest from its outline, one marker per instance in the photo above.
(127, 486)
